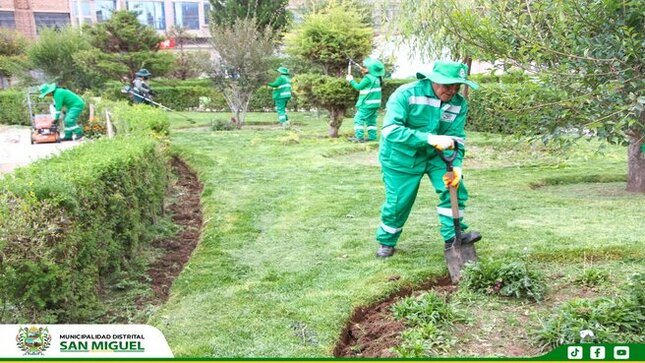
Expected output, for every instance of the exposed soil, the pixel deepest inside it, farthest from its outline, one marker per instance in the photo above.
(186, 212)
(371, 331)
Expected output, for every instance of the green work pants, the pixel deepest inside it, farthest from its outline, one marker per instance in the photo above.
(71, 125)
(365, 117)
(281, 107)
(401, 191)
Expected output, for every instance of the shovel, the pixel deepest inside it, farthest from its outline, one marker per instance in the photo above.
(457, 255)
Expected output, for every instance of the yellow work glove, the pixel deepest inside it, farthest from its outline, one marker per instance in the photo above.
(440, 142)
(456, 178)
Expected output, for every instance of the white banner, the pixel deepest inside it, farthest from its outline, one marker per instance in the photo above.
(82, 341)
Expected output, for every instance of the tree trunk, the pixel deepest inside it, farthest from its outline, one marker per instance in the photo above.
(469, 62)
(335, 120)
(636, 162)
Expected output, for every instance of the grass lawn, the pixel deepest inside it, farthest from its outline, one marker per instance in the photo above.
(287, 249)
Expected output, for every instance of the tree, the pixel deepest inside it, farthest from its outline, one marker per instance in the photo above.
(188, 64)
(267, 13)
(123, 45)
(330, 37)
(13, 60)
(56, 52)
(244, 56)
(591, 49)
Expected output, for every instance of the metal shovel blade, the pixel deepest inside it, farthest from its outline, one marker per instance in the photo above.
(468, 253)
(454, 262)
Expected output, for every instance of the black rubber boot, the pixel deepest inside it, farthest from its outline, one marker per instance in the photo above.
(466, 238)
(355, 139)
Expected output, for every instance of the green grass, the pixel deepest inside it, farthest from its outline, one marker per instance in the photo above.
(287, 250)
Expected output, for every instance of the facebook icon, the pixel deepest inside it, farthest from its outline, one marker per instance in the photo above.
(597, 352)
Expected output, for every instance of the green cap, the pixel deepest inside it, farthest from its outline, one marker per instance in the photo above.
(448, 73)
(46, 89)
(283, 70)
(374, 67)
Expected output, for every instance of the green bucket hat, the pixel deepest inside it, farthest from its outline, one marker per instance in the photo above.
(448, 73)
(283, 70)
(143, 73)
(374, 67)
(46, 89)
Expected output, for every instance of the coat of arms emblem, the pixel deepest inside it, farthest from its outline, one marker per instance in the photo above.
(33, 340)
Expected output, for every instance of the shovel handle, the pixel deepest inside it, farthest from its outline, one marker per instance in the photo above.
(449, 159)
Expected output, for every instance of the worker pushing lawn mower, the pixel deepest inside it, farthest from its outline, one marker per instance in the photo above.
(423, 134)
(73, 105)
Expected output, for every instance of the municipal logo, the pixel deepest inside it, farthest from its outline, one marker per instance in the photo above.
(33, 340)
(462, 73)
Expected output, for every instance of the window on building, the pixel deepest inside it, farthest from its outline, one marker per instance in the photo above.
(187, 15)
(207, 12)
(104, 9)
(51, 20)
(7, 19)
(86, 13)
(149, 13)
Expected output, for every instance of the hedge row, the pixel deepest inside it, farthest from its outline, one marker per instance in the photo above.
(13, 108)
(69, 222)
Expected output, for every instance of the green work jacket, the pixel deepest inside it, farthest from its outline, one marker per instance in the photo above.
(370, 91)
(66, 98)
(281, 87)
(414, 112)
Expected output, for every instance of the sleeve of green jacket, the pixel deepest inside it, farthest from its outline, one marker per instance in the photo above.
(394, 122)
(58, 104)
(278, 82)
(365, 82)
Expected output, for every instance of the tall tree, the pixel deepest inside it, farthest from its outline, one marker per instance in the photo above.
(55, 53)
(13, 60)
(331, 36)
(592, 49)
(244, 54)
(267, 13)
(123, 45)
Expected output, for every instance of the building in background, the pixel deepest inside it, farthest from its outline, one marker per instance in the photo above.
(27, 16)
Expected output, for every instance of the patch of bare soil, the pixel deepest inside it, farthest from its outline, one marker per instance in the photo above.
(372, 331)
(186, 212)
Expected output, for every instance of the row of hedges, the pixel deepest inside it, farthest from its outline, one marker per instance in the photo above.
(70, 222)
(13, 108)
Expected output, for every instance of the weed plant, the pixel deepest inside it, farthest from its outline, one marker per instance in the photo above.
(504, 278)
(430, 318)
(592, 277)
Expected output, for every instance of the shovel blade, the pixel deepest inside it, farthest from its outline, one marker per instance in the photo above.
(454, 262)
(468, 253)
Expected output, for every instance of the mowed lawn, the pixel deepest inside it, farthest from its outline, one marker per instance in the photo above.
(287, 250)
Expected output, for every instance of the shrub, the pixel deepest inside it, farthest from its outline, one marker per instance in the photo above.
(610, 320)
(503, 278)
(13, 106)
(140, 119)
(68, 222)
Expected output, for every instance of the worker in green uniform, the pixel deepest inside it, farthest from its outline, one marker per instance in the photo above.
(282, 94)
(369, 99)
(73, 104)
(423, 117)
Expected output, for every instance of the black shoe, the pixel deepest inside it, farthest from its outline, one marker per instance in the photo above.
(385, 251)
(466, 238)
(355, 139)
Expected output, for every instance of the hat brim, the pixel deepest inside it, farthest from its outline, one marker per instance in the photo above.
(441, 79)
(47, 91)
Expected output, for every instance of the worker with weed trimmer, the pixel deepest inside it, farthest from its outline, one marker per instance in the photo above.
(369, 99)
(422, 119)
(140, 87)
(282, 94)
(73, 104)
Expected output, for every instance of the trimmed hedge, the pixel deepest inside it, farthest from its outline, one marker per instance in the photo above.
(13, 108)
(69, 222)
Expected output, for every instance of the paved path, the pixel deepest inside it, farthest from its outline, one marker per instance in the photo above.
(16, 149)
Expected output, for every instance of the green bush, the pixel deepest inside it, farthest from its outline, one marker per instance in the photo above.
(13, 108)
(512, 108)
(503, 278)
(139, 119)
(610, 320)
(68, 222)
(591, 277)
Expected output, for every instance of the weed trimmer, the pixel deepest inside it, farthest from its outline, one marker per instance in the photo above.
(131, 91)
(458, 254)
